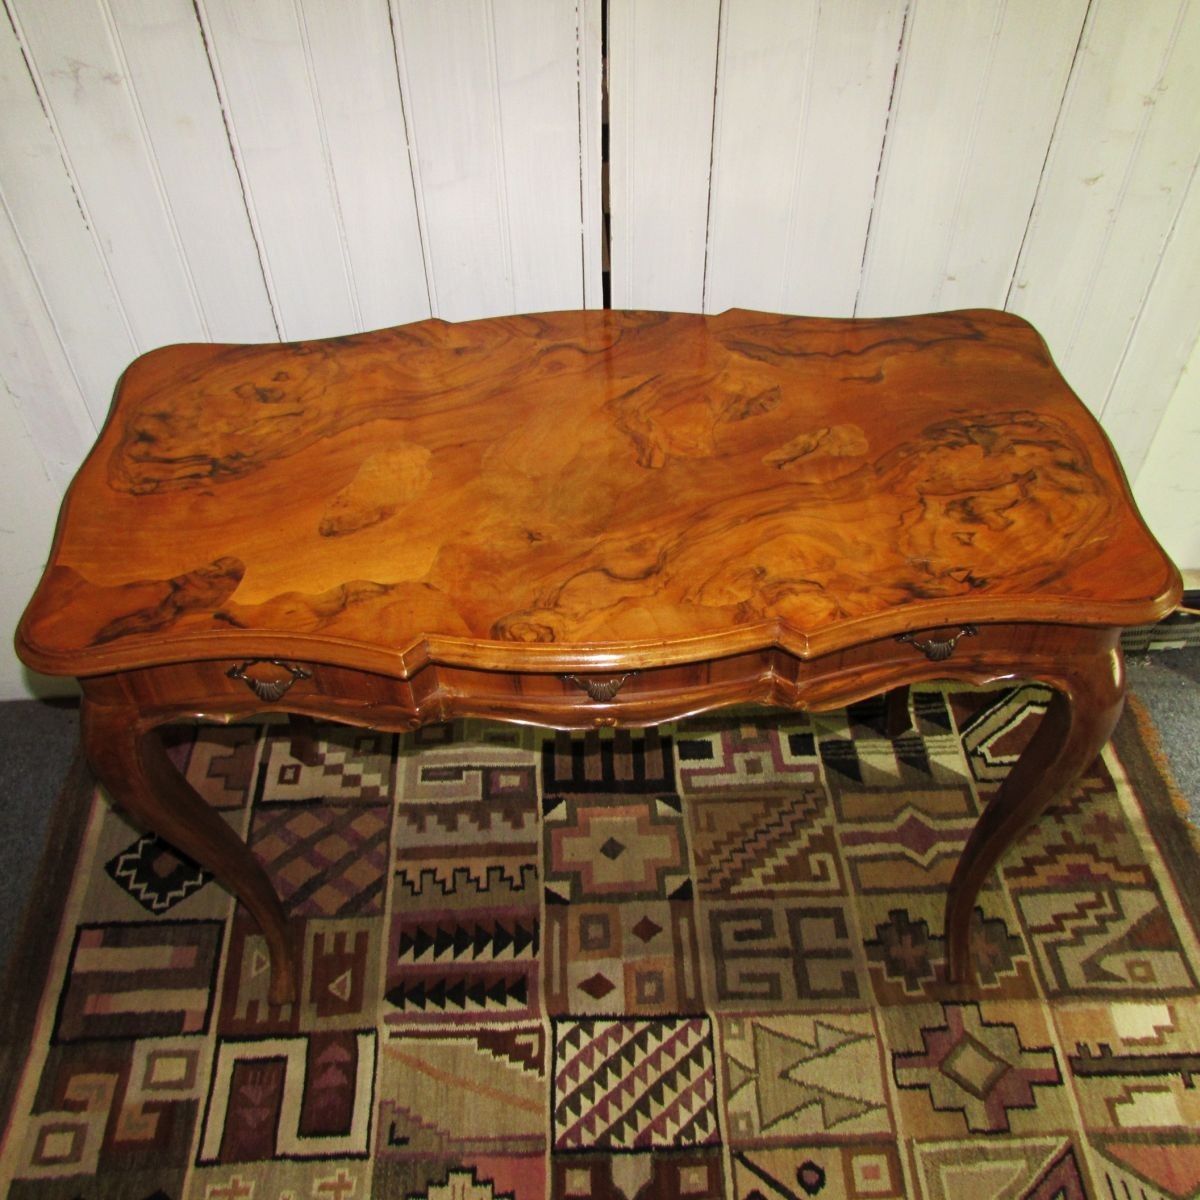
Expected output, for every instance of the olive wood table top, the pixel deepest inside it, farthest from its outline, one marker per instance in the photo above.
(590, 489)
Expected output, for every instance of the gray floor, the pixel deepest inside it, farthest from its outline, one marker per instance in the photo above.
(38, 740)
(37, 743)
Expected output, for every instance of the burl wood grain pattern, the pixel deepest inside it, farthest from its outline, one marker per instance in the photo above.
(592, 518)
(594, 488)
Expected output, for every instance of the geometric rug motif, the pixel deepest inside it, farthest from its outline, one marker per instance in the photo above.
(692, 1174)
(781, 954)
(124, 1107)
(617, 847)
(466, 827)
(978, 1068)
(1015, 1169)
(1135, 1064)
(629, 1084)
(303, 1097)
(139, 980)
(862, 1169)
(624, 761)
(755, 757)
(523, 956)
(996, 727)
(338, 968)
(640, 957)
(1081, 840)
(1166, 1167)
(1105, 941)
(155, 874)
(445, 965)
(326, 860)
(908, 959)
(797, 1076)
(620, 920)
(855, 751)
(500, 1079)
(752, 845)
(906, 840)
(346, 765)
(219, 761)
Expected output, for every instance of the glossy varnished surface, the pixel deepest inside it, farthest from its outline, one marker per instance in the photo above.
(603, 489)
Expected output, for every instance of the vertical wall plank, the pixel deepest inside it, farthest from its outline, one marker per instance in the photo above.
(260, 53)
(1168, 485)
(36, 380)
(972, 118)
(802, 102)
(30, 510)
(661, 75)
(1125, 148)
(171, 83)
(64, 266)
(537, 74)
(86, 83)
(492, 97)
(1167, 328)
(591, 84)
(354, 68)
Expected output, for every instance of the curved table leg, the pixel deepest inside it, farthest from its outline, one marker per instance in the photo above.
(1089, 694)
(129, 759)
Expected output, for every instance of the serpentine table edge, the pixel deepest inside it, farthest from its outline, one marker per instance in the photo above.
(141, 672)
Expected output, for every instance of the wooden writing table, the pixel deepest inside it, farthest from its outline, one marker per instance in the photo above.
(592, 518)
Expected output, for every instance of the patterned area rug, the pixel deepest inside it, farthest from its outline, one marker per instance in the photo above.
(700, 961)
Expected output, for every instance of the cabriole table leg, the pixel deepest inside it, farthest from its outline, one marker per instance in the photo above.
(1089, 692)
(129, 760)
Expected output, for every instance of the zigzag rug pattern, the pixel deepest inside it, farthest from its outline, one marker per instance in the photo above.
(700, 962)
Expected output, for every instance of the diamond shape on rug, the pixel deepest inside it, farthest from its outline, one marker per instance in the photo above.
(981, 1069)
(155, 874)
(620, 847)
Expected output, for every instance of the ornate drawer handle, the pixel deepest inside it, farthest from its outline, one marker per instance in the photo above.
(938, 649)
(268, 689)
(600, 689)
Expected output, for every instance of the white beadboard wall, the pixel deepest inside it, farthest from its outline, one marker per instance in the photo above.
(227, 170)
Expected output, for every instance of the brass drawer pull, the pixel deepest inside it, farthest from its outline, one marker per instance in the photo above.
(600, 689)
(268, 689)
(938, 649)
